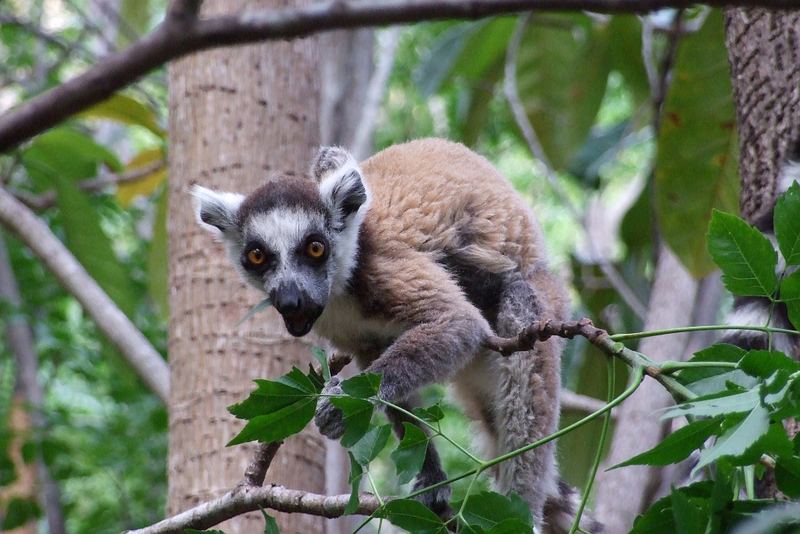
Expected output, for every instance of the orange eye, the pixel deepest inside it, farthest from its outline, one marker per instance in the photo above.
(315, 249)
(256, 256)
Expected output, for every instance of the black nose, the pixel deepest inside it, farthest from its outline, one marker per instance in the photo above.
(287, 298)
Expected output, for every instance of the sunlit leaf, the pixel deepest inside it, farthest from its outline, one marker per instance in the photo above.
(147, 184)
(322, 358)
(676, 446)
(716, 405)
(127, 110)
(738, 439)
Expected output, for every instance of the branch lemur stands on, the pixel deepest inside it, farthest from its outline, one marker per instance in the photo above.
(409, 261)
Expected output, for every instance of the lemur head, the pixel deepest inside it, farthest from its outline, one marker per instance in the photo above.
(296, 239)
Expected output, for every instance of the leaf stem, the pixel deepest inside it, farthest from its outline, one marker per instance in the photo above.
(673, 366)
(701, 328)
(611, 384)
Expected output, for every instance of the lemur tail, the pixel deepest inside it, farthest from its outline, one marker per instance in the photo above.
(756, 311)
(527, 385)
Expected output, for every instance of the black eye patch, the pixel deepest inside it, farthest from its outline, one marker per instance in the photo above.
(256, 257)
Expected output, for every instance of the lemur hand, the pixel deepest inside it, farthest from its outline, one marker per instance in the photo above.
(329, 418)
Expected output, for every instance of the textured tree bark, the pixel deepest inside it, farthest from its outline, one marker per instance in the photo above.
(237, 116)
(624, 493)
(764, 53)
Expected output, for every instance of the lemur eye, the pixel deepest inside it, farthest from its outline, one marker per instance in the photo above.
(256, 256)
(315, 249)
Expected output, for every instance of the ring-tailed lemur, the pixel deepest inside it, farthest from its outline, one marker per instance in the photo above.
(410, 261)
(755, 311)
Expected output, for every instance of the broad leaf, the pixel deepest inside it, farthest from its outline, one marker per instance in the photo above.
(432, 414)
(371, 444)
(626, 55)
(410, 453)
(562, 71)
(362, 386)
(697, 157)
(677, 446)
(738, 439)
(714, 405)
(322, 358)
(127, 110)
(744, 255)
(790, 295)
(787, 224)
(721, 352)
(147, 184)
(764, 363)
(689, 518)
(278, 425)
(357, 414)
(787, 475)
(270, 525)
(273, 395)
(412, 516)
(488, 509)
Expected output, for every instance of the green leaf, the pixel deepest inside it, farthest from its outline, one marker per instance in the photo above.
(410, 453)
(373, 442)
(278, 425)
(258, 308)
(697, 151)
(412, 516)
(772, 520)
(787, 224)
(91, 246)
(322, 358)
(484, 48)
(562, 71)
(157, 283)
(357, 414)
(356, 472)
(676, 446)
(689, 519)
(626, 54)
(362, 386)
(438, 65)
(721, 352)
(195, 531)
(744, 255)
(127, 110)
(790, 294)
(147, 184)
(738, 439)
(488, 509)
(735, 380)
(714, 405)
(659, 518)
(270, 525)
(763, 363)
(18, 512)
(787, 475)
(273, 395)
(432, 414)
(510, 526)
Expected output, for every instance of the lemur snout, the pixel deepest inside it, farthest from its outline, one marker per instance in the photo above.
(298, 311)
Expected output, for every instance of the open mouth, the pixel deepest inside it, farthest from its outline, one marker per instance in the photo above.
(298, 324)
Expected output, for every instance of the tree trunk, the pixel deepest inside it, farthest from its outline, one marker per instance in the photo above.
(764, 53)
(624, 493)
(237, 116)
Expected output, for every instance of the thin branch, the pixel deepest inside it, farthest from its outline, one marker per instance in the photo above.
(245, 499)
(528, 132)
(374, 97)
(575, 402)
(178, 36)
(145, 359)
(48, 198)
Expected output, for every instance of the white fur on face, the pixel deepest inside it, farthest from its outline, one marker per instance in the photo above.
(790, 173)
(219, 207)
(282, 229)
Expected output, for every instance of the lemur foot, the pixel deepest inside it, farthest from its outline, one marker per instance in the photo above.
(438, 499)
(329, 418)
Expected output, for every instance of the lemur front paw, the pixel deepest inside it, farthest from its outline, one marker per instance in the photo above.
(438, 500)
(329, 418)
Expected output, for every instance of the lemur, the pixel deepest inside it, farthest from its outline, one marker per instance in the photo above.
(756, 311)
(409, 261)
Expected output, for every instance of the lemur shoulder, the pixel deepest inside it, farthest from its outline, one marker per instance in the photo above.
(409, 261)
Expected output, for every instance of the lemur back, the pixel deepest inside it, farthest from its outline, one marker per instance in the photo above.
(430, 251)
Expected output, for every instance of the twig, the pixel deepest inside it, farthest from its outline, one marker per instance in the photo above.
(48, 198)
(131, 343)
(374, 97)
(177, 36)
(528, 132)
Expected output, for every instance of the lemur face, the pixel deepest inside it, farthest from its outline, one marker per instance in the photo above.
(292, 238)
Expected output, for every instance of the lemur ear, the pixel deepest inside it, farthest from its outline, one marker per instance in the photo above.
(341, 184)
(215, 208)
